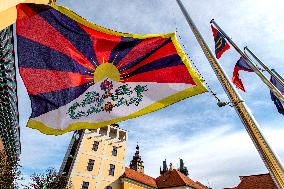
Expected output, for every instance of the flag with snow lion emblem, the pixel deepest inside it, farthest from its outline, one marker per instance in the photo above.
(81, 76)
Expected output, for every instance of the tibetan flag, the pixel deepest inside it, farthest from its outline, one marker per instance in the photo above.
(240, 65)
(82, 76)
(221, 45)
(279, 105)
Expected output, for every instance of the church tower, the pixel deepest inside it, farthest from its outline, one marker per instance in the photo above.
(95, 158)
(136, 163)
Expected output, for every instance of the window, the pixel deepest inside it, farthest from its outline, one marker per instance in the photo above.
(85, 185)
(95, 145)
(111, 169)
(90, 165)
(114, 151)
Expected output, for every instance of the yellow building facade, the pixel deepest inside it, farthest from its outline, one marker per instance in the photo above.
(95, 160)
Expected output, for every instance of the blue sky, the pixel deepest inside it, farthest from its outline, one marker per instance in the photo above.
(211, 140)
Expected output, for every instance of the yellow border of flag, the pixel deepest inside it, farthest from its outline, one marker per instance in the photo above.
(195, 90)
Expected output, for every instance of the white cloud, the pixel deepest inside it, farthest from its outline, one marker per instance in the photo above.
(218, 155)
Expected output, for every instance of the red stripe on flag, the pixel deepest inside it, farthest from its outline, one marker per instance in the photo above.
(41, 81)
(214, 31)
(237, 80)
(141, 49)
(103, 43)
(37, 29)
(24, 14)
(167, 50)
(225, 48)
(174, 74)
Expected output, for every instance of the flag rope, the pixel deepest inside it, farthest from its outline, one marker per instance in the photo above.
(196, 68)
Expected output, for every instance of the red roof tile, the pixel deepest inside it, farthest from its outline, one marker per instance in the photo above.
(263, 181)
(139, 177)
(175, 178)
(201, 185)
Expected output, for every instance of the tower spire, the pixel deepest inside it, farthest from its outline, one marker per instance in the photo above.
(165, 167)
(137, 163)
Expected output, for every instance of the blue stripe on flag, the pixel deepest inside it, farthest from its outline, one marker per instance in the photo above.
(140, 59)
(46, 102)
(43, 57)
(122, 49)
(71, 31)
(279, 105)
(169, 61)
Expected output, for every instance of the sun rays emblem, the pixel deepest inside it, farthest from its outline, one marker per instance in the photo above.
(108, 97)
(106, 70)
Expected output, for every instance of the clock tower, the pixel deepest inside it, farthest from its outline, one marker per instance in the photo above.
(136, 163)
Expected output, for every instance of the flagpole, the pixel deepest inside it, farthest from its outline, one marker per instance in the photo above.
(264, 66)
(270, 159)
(251, 64)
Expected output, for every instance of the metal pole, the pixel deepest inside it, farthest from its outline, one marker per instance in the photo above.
(251, 64)
(270, 159)
(279, 76)
(263, 65)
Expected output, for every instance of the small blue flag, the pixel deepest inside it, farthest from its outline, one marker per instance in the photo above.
(279, 105)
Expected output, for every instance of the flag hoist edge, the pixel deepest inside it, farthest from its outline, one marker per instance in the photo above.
(138, 69)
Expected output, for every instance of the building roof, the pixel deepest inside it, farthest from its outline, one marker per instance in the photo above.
(139, 177)
(174, 178)
(262, 181)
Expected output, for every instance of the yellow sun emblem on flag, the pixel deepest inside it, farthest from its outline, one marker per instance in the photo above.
(106, 70)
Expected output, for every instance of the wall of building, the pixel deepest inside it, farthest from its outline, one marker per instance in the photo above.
(180, 187)
(77, 180)
(8, 11)
(127, 185)
(99, 177)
